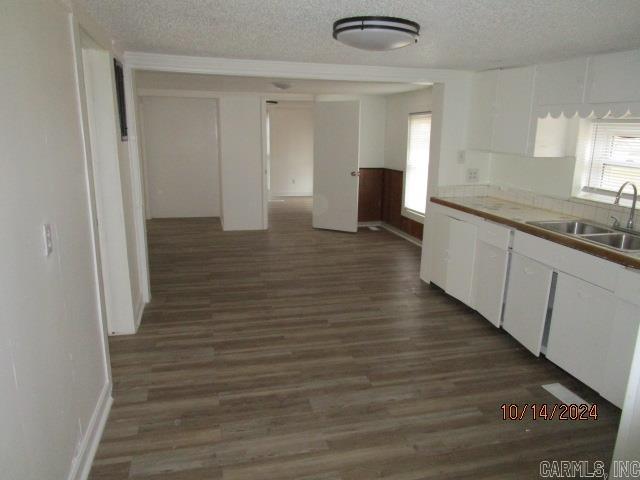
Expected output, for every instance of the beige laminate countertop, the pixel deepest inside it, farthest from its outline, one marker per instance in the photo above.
(517, 215)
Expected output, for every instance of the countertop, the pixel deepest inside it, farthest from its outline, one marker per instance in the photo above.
(516, 215)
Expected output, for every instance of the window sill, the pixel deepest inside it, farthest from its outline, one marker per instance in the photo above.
(410, 214)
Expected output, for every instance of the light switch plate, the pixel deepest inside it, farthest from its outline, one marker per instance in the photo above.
(48, 239)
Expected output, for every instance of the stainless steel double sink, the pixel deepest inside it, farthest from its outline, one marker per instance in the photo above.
(594, 233)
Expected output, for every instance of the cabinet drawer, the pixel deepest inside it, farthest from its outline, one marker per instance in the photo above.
(628, 286)
(574, 262)
(495, 235)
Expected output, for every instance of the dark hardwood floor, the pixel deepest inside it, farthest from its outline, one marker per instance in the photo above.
(302, 354)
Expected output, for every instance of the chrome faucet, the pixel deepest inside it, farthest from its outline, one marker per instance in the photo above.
(633, 203)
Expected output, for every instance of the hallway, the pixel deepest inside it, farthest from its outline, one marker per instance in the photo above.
(296, 353)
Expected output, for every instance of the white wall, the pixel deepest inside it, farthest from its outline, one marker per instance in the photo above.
(241, 162)
(181, 156)
(373, 119)
(52, 362)
(399, 106)
(291, 129)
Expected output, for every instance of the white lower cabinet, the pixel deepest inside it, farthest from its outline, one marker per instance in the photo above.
(453, 252)
(489, 278)
(439, 248)
(527, 300)
(580, 327)
(619, 352)
(592, 336)
(595, 303)
(462, 249)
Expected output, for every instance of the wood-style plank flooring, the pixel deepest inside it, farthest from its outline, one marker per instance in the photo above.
(302, 354)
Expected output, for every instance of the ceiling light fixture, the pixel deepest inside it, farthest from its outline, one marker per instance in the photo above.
(376, 33)
(281, 85)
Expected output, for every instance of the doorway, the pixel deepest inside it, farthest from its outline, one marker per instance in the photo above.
(289, 152)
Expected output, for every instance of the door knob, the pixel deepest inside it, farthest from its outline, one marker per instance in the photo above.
(355, 174)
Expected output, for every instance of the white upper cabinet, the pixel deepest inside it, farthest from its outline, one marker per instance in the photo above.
(561, 82)
(483, 96)
(614, 78)
(513, 110)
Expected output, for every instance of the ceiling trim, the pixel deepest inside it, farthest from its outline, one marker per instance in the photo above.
(297, 70)
(176, 92)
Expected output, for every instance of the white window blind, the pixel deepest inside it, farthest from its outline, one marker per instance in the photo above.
(416, 172)
(615, 154)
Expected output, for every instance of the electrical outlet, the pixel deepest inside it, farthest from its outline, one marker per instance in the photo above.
(472, 175)
(48, 239)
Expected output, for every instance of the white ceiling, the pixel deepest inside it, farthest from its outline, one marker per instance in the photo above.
(462, 34)
(221, 83)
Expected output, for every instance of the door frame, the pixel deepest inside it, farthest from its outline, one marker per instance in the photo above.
(266, 165)
(77, 32)
(96, 90)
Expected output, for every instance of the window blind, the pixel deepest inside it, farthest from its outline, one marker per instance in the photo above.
(416, 172)
(615, 154)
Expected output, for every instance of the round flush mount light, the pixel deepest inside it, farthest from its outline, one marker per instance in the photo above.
(376, 33)
(282, 85)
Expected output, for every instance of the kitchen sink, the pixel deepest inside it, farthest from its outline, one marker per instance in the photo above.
(608, 237)
(572, 227)
(619, 241)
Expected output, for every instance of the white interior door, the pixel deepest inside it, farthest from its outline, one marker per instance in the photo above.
(335, 165)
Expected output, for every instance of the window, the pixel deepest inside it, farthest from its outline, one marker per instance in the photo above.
(417, 170)
(614, 155)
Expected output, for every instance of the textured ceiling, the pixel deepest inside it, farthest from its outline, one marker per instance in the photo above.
(462, 34)
(222, 83)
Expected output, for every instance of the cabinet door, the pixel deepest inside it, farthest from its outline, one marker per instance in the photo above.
(580, 328)
(614, 77)
(527, 300)
(489, 278)
(619, 352)
(462, 248)
(514, 100)
(439, 249)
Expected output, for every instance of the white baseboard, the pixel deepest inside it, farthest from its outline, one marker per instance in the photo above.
(81, 465)
(291, 194)
(401, 234)
(393, 230)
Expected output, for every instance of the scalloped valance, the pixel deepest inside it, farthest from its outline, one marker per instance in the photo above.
(590, 110)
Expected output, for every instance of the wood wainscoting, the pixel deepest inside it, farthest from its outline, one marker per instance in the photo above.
(380, 200)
